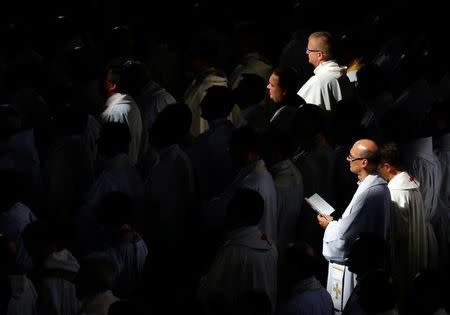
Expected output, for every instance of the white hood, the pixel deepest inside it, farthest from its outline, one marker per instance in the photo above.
(331, 68)
(403, 181)
(251, 237)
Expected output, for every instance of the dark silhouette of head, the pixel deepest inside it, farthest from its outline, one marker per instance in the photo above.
(245, 209)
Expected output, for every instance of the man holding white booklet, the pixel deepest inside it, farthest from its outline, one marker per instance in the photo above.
(368, 211)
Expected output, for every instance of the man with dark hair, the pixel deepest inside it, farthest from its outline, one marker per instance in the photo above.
(409, 244)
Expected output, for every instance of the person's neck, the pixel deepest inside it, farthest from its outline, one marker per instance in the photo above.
(362, 175)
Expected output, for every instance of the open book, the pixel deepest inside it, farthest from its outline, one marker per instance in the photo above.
(320, 205)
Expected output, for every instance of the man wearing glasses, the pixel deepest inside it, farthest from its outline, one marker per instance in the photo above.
(368, 211)
(329, 84)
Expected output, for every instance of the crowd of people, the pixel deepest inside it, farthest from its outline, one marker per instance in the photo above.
(146, 169)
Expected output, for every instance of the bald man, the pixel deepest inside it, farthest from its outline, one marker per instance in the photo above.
(368, 211)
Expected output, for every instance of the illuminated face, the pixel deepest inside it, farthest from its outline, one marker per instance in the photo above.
(355, 160)
(276, 93)
(314, 54)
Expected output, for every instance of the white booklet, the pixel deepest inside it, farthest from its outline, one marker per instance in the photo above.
(320, 205)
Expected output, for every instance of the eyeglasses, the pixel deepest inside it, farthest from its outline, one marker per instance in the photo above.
(312, 50)
(350, 158)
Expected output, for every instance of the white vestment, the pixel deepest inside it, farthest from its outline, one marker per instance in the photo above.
(308, 298)
(441, 147)
(368, 211)
(58, 296)
(23, 296)
(289, 187)
(122, 108)
(117, 176)
(247, 261)
(18, 152)
(256, 177)
(251, 63)
(153, 99)
(211, 159)
(425, 167)
(409, 242)
(327, 86)
(129, 257)
(69, 172)
(171, 191)
(12, 223)
(196, 92)
(57, 293)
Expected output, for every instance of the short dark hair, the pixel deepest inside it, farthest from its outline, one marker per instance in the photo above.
(391, 153)
(288, 79)
(245, 208)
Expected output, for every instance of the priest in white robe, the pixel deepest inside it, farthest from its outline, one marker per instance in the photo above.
(206, 75)
(288, 185)
(368, 211)
(424, 165)
(329, 84)
(253, 174)
(409, 235)
(57, 293)
(122, 108)
(248, 258)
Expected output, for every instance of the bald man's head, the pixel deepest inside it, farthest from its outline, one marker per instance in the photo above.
(368, 149)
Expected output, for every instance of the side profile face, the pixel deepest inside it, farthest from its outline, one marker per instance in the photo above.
(276, 93)
(315, 55)
(383, 170)
(109, 86)
(355, 159)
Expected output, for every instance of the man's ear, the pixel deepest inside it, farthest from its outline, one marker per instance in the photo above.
(112, 87)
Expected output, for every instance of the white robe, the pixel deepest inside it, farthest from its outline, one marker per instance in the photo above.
(442, 149)
(245, 262)
(153, 99)
(12, 223)
(69, 172)
(308, 298)
(256, 177)
(252, 63)
(289, 187)
(18, 152)
(122, 108)
(171, 191)
(91, 134)
(409, 243)
(129, 257)
(327, 86)
(23, 296)
(58, 296)
(117, 176)
(211, 159)
(196, 92)
(425, 167)
(368, 211)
